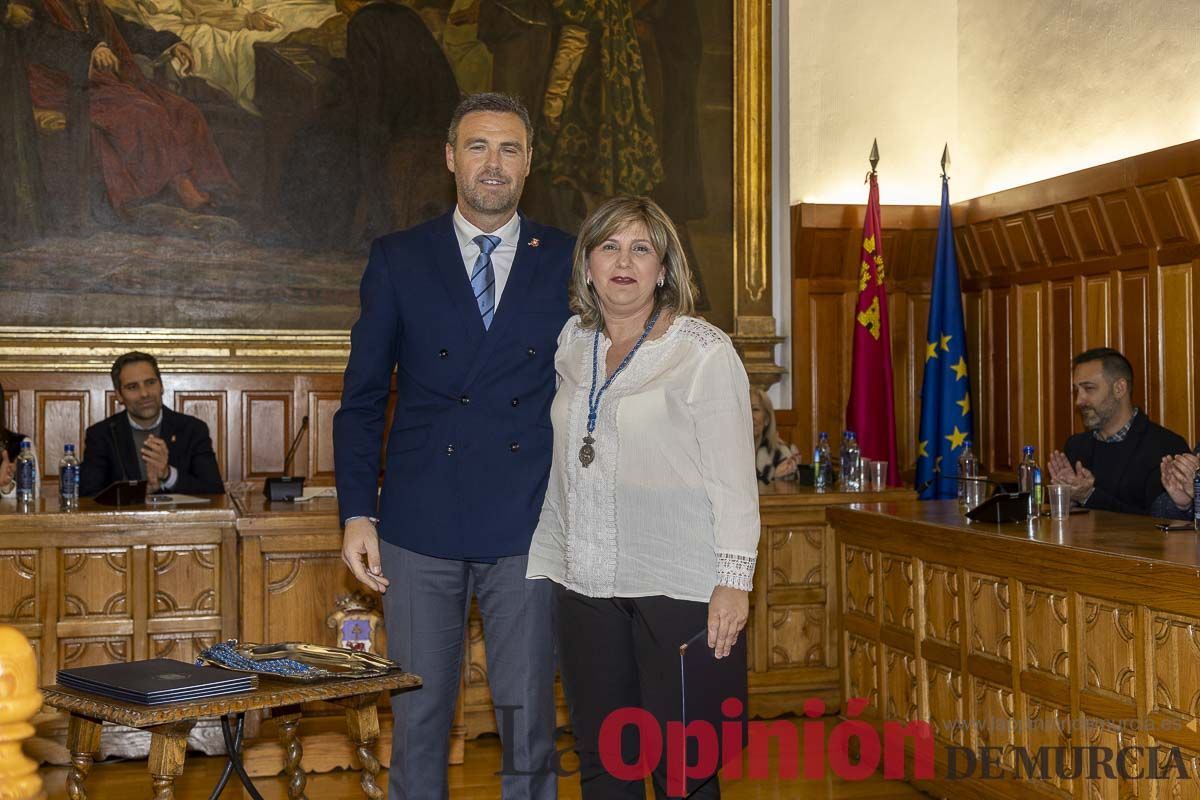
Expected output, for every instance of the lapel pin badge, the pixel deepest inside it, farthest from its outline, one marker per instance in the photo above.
(534, 242)
(172, 438)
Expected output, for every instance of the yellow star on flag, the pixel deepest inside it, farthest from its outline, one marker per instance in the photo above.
(937, 464)
(921, 451)
(960, 369)
(965, 403)
(946, 342)
(956, 438)
(930, 350)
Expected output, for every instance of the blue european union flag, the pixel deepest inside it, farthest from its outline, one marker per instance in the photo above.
(947, 421)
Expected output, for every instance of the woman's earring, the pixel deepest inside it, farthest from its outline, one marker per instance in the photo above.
(660, 281)
(588, 279)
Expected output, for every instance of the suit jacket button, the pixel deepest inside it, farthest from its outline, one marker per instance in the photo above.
(516, 401)
(514, 447)
(443, 353)
(449, 449)
(531, 352)
(466, 401)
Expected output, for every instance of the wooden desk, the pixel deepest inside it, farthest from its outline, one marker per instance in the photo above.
(98, 585)
(1075, 634)
(169, 725)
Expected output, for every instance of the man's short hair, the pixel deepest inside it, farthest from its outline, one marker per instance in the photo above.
(489, 101)
(132, 358)
(1115, 365)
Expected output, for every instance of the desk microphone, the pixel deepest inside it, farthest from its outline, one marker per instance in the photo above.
(1002, 506)
(286, 487)
(112, 429)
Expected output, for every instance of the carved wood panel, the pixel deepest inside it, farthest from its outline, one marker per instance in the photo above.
(183, 646)
(947, 708)
(993, 712)
(987, 610)
(899, 592)
(95, 581)
(1096, 326)
(1109, 784)
(18, 585)
(862, 670)
(796, 556)
(209, 406)
(1108, 646)
(62, 417)
(941, 603)
(1177, 344)
(1173, 785)
(1029, 374)
(301, 589)
(267, 432)
(321, 408)
(900, 684)
(1175, 663)
(859, 582)
(93, 650)
(185, 580)
(1047, 631)
(797, 636)
(1048, 726)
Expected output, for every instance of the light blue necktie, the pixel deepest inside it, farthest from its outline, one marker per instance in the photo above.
(483, 278)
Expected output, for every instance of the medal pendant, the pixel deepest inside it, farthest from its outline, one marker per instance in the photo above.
(587, 454)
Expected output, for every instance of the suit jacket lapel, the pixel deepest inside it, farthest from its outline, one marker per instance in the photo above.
(168, 430)
(453, 274)
(520, 277)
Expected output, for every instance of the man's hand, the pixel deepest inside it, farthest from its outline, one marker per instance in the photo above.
(360, 551)
(727, 612)
(260, 21)
(103, 60)
(8, 471)
(1178, 476)
(154, 453)
(187, 59)
(1079, 478)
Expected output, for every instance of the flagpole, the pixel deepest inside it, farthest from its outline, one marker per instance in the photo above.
(946, 161)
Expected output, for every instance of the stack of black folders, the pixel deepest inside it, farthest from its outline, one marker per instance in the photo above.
(157, 681)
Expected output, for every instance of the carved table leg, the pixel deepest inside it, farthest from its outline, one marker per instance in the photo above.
(362, 724)
(168, 746)
(288, 720)
(83, 740)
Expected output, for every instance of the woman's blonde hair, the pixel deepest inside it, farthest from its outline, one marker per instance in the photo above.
(677, 293)
(770, 434)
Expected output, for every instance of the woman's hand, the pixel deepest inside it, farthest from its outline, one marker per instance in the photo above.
(787, 467)
(727, 612)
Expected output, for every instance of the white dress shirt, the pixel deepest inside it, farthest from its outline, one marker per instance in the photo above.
(670, 504)
(502, 256)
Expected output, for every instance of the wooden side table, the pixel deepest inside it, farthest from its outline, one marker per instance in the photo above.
(170, 723)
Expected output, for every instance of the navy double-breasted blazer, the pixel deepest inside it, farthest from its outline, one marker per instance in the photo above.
(468, 451)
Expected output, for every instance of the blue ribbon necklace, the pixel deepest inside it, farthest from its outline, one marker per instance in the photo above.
(587, 453)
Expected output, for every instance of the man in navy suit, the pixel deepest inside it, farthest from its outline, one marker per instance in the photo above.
(170, 451)
(465, 309)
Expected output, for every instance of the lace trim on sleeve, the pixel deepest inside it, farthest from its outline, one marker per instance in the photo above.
(735, 571)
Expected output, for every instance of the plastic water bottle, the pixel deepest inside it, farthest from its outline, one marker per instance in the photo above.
(1037, 490)
(1027, 476)
(853, 463)
(68, 478)
(968, 467)
(26, 474)
(822, 463)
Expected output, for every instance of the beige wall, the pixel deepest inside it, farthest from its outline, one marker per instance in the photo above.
(1021, 89)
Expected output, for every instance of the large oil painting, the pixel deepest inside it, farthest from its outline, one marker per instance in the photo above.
(224, 164)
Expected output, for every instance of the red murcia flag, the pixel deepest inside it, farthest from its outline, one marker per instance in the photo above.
(871, 412)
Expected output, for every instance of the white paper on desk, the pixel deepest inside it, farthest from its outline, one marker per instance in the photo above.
(313, 492)
(174, 499)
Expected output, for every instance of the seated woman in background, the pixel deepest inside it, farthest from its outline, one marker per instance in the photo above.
(774, 458)
(10, 448)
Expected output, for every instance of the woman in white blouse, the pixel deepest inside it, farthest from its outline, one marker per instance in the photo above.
(650, 524)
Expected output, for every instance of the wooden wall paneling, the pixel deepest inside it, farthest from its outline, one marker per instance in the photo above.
(321, 408)
(9, 413)
(1124, 221)
(991, 247)
(1020, 238)
(1028, 366)
(1000, 453)
(829, 321)
(968, 254)
(804, 357)
(211, 407)
(1135, 339)
(1097, 329)
(1177, 348)
(1089, 228)
(1060, 348)
(1054, 235)
(61, 418)
(904, 400)
(267, 431)
(1171, 221)
(973, 314)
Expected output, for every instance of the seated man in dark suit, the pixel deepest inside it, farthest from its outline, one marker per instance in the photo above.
(172, 452)
(1115, 464)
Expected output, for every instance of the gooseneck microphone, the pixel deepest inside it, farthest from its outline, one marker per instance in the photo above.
(286, 487)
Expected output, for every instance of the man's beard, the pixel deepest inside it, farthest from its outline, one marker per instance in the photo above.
(491, 203)
(1097, 416)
